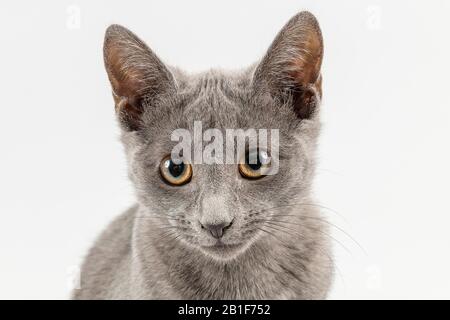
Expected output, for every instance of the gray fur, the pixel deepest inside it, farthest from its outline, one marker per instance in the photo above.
(157, 249)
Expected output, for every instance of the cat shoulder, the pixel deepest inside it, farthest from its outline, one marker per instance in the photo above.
(105, 257)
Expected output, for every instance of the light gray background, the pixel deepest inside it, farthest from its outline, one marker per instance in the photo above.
(384, 153)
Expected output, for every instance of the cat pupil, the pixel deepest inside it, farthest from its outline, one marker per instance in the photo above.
(176, 169)
(253, 166)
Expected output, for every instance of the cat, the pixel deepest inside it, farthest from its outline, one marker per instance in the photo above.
(211, 231)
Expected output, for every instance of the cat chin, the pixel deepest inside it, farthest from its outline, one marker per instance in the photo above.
(224, 252)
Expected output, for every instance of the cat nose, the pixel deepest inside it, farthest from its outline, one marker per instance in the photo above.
(217, 230)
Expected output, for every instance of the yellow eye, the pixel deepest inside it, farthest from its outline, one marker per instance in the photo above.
(255, 166)
(175, 174)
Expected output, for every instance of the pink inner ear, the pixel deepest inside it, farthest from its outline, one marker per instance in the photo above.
(125, 81)
(305, 103)
(135, 73)
(126, 87)
(129, 112)
(306, 67)
(292, 63)
(128, 62)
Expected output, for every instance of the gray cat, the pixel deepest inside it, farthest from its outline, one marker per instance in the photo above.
(214, 231)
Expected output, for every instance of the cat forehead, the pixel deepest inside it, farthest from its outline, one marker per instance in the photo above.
(215, 96)
(213, 83)
(219, 99)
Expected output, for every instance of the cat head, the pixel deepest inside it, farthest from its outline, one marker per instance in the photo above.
(220, 209)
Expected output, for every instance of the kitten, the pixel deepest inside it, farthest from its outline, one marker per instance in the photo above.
(209, 231)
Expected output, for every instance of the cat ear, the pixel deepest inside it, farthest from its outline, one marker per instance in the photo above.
(290, 70)
(136, 74)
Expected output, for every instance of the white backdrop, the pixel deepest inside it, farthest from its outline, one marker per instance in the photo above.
(384, 150)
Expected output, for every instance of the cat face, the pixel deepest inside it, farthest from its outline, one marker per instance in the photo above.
(219, 209)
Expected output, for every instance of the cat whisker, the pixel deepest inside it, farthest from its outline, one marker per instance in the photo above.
(306, 205)
(318, 218)
(290, 230)
(331, 224)
(320, 206)
(166, 234)
(330, 259)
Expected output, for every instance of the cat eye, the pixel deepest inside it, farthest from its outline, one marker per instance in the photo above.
(256, 165)
(175, 174)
